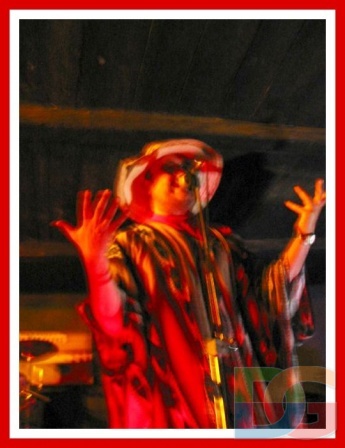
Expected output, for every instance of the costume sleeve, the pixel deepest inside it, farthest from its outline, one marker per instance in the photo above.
(123, 358)
(289, 310)
(277, 312)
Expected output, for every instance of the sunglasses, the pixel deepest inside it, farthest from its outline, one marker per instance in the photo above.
(172, 166)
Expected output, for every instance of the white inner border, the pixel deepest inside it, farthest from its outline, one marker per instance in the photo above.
(15, 16)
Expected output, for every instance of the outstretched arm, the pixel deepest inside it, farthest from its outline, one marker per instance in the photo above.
(91, 236)
(296, 251)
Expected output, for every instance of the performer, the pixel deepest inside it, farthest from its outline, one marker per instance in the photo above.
(175, 305)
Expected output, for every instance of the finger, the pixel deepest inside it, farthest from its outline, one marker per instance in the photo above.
(119, 220)
(294, 207)
(320, 193)
(110, 214)
(303, 195)
(101, 204)
(64, 227)
(96, 200)
(83, 206)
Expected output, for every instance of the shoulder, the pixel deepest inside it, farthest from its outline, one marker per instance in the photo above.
(234, 241)
(133, 234)
(121, 240)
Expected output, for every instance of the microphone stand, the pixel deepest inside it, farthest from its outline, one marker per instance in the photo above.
(211, 346)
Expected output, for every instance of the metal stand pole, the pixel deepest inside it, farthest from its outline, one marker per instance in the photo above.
(211, 344)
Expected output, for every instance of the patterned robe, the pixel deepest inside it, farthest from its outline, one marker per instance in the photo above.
(156, 373)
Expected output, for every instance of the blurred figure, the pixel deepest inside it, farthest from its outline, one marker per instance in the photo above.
(175, 304)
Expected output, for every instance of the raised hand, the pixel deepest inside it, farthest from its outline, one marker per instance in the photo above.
(95, 224)
(309, 211)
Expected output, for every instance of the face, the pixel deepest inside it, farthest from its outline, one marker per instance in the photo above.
(170, 192)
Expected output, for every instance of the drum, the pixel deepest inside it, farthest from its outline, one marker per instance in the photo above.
(31, 401)
(27, 402)
(25, 397)
(31, 404)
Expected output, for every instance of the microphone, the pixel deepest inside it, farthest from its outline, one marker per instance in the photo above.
(191, 178)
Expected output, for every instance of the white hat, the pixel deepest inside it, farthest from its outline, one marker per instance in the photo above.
(131, 181)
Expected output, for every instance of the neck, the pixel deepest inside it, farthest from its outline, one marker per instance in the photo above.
(170, 218)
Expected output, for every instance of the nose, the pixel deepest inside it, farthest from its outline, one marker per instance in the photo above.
(181, 179)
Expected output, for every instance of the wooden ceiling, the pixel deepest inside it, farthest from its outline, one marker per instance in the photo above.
(264, 71)
(94, 91)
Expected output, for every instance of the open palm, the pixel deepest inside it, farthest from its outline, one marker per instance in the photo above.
(95, 224)
(308, 212)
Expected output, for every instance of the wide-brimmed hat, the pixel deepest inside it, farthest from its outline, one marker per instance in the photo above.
(132, 188)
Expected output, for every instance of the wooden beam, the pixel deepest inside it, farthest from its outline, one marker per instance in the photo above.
(130, 120)
(42, 249)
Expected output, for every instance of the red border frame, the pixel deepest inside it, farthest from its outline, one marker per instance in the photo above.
(5, 7)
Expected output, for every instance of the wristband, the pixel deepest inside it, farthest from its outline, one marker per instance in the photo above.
(307, 238)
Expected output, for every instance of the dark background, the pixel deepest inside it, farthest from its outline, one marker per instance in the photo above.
(95, 91)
